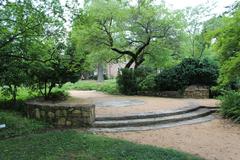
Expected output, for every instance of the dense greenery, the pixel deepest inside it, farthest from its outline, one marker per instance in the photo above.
(82, 146)
(32, 48)
(226, 35)
(17, 125)
(108, 86)
(230, 106)
(188, 72)
(123, 30)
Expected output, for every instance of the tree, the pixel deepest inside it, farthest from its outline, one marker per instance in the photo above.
(195, 18)
(32, 45)
(128, 31)
(226, 43)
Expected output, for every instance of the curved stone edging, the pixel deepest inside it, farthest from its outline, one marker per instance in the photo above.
(62, 115)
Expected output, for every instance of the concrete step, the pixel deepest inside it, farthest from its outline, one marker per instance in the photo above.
(201, 112)
(154, 127)
(156, 114)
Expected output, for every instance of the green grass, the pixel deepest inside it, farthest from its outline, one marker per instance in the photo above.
(69, 145)
(108, 86)
(22, 94)
(17, 125)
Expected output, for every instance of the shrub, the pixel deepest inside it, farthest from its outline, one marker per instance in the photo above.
(58, 95)
(127, 81)
(188, 72)
(130, 81)
(230, 106)
(148, 84)
(199, 72)
(169, 80)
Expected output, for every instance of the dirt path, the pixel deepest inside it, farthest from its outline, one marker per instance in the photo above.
(151, 104)
(215, 140)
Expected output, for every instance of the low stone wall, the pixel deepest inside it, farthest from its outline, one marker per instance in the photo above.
(171, 94)
(62, 115)
(196, 92)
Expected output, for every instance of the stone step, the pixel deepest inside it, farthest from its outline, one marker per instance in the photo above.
(155, 115)
(152, 121)
(154, 127)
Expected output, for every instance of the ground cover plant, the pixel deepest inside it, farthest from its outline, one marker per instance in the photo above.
(108, 86)
(72, 145)
(230, 105)
(17, 125)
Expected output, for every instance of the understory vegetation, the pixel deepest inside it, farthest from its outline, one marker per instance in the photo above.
(72, 145)
(17, 125)
(188, 72)
(108, 86)
(230, 106)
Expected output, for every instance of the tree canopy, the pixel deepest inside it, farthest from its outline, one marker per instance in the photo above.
(132, 31)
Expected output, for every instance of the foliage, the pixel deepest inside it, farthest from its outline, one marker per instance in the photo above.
(127, 82)
(122, 30)
(169, 80)
(188, 72)
(58, 94)
(82, 146)
(32, 47)
(108, 86)
(22, 94)
(148, 83)
(16, 125)
(226, 37)
(230, 106)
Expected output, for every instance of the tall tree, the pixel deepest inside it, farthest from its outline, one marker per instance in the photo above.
(225, 38)
(126, 30)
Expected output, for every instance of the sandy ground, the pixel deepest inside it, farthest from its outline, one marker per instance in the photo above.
(151, 104)
(215, 140)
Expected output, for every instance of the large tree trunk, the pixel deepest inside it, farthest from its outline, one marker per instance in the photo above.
(100, 77)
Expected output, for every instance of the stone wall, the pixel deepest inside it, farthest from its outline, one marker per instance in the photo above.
(171, 94)
(62, 115)
(196, 92)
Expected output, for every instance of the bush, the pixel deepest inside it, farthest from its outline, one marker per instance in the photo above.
(130, 81)
(169, 80)
(148, 84)
(188, 72)
(58, 95)
(127, 82)
(230, 106)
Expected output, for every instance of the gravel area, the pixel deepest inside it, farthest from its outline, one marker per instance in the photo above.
(150, 104)
(215, 140)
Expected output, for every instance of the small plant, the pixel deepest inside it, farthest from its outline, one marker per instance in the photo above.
(230, 105)
(58, 95)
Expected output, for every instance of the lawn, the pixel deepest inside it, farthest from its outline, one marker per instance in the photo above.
(108, 86)
(70, 144)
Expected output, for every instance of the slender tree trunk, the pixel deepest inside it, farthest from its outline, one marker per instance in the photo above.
(14, 94)
(100, 77)
(128, 65)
